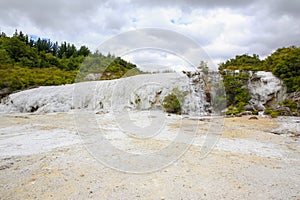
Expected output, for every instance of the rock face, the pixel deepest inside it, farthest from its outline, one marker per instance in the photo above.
(265, 89)
(137, 92)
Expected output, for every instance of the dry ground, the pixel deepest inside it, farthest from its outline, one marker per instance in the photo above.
(42, 158)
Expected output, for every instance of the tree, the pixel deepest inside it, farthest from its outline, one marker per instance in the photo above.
(83, 51)
(243, 62)
(55, 49)
(15, 48)
(62, 50)
(285, 64)
(203, 67)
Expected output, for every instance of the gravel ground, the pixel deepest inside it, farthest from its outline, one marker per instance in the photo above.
(42, 157)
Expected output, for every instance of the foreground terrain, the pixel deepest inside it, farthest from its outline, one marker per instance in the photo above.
(42, 157)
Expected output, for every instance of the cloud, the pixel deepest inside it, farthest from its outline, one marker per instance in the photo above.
(157, 60)
(222, 28)
(193, 4)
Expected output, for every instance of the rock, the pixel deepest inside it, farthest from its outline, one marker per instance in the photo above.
(101, 112)
(93, 76)
(6, 166)
(246, 113)
(259, 107)
(266, 90)
(295, 96)
(288, 126)
(248, 107)
(4, 92)
(253, 117)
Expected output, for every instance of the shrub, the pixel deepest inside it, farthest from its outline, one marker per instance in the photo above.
(171, 104)
(268, 111)
(289, 103)
(255, 112)
(274, 114)
(232, 112)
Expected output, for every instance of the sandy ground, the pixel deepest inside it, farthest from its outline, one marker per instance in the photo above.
(42, 157)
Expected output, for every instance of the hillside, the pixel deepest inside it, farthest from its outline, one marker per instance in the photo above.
(25, 63)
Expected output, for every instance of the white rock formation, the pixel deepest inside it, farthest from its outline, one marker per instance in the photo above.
(142, 92)
(265, 89)
(137, 92)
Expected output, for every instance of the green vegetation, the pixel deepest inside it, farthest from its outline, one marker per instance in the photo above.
(290, 104)
(287, 107)
(18, 78)
(274, 114)
(172, 102)
(255, 112)
(293, 107)
(232, 111)
(271, 112)
(235, 82)
(268, 111)
(237, 93)
(25, 63)
(284, 63)
(109, 67)
(243, 62)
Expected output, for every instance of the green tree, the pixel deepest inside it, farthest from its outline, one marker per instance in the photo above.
(83, 51)
(285, 64)
(243, 62)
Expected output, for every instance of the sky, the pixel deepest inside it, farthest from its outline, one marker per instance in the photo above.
(220, 28)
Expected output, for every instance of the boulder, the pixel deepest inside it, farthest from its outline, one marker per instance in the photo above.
(259, 107)
(283, 110)
(245, 113)
(4, 92)
(248, 107)
(253, 118)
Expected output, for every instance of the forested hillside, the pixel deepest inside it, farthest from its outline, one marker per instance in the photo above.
(26, 63)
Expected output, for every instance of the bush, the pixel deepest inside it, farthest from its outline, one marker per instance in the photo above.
(289, 103)
(171, 104)
(268, 111)
(274, 114)
(255, 112)
(232, 112)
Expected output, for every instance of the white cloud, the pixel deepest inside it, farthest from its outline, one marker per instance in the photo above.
(157, 60)
(222, 28)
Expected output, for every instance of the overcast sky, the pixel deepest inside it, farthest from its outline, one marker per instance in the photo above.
(223, 28)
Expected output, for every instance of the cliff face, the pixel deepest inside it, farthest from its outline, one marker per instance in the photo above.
(265, 89)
